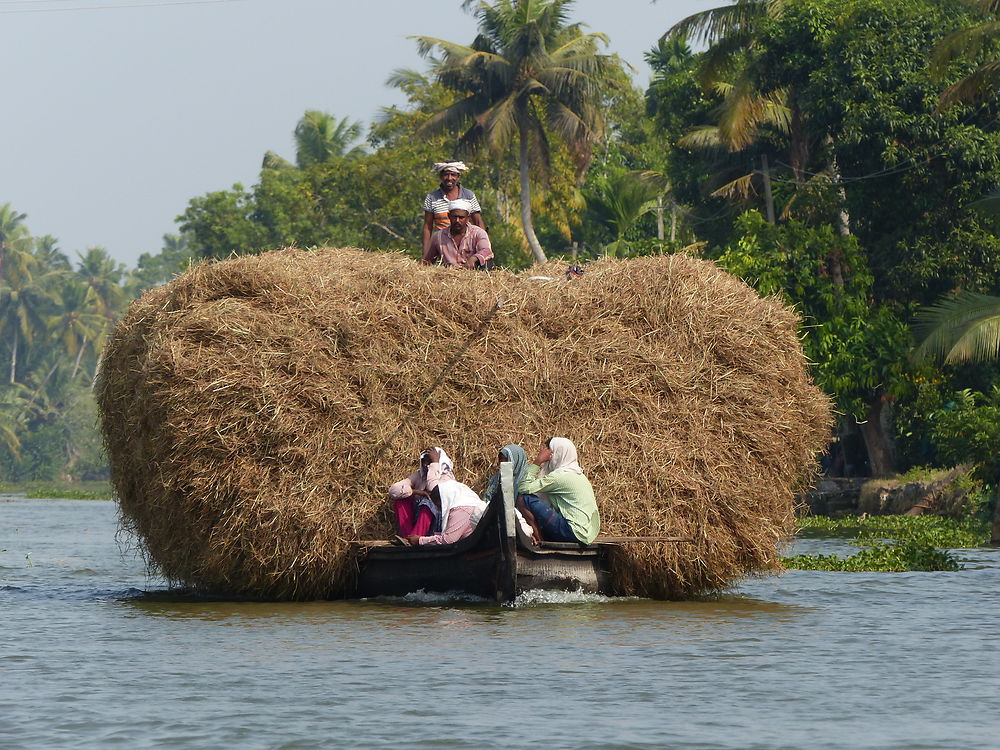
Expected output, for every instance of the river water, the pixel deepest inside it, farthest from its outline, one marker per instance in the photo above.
(89, 659)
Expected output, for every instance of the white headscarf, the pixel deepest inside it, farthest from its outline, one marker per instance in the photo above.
(447, 466)
(457, 166)
(454, 494)
(563, 458)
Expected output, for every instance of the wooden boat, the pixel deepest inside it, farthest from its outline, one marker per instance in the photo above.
(497, 561)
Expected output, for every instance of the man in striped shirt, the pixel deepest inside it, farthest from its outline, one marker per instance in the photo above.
(436, 202)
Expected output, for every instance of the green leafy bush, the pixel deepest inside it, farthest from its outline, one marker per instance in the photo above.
(888, 558)
(931, 530)
(968, 430)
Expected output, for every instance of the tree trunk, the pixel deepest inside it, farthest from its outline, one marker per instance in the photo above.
(79, 355)
(13, 356)
(529, 229)
(97, 370)
(799, 145)
(768, 195)
(843, 217)
(880, 458)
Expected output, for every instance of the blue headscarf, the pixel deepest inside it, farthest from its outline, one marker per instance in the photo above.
(516, 455)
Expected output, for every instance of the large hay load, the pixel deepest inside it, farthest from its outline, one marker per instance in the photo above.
(256, 409)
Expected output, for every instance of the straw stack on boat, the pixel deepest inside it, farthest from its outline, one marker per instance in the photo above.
(256, 409)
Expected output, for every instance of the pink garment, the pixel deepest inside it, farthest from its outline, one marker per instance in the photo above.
(412, 519)
(475, 241)
(459, 527)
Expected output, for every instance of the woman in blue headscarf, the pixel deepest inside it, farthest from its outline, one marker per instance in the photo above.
(516, 455)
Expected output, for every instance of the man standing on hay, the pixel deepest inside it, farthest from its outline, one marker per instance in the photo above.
(436, 202)
(460, 243)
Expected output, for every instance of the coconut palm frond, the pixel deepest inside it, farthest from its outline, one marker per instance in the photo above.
(963, 328)
(704, 136)
(271, 160)
(403, 77)
(723, 59)
(709, 26)
(451, 118)
(499, 122)
(741, 187)
(983, 82)
(579, 47)
(967, 43)
(988, 205)
(743, 111)
(427, 44)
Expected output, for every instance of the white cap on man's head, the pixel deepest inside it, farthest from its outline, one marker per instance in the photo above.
(449, 166)
(460, 205)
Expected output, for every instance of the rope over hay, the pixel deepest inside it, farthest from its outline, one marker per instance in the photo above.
(256, 409)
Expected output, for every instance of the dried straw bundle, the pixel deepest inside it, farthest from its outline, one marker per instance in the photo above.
(256, 409)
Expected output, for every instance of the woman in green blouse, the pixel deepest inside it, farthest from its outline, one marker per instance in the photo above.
(560, 497)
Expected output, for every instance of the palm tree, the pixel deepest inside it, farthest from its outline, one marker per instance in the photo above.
(528, 72)
(102, 275)
(968, 43)
(75, 322)
(320, 137)
(24, 301)
(49, 255)
(14, 242)
(963, 328)
(623, 200)
(12, 405)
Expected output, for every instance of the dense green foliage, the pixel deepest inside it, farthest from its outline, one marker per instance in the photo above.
(827, 151)
(890, 543)
(931, 530)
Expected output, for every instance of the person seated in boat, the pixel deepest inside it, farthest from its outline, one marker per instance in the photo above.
(460, 509)
(516, 456)
(559, 497)
(415, 512)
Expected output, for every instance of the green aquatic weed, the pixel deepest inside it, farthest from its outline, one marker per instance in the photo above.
(891, 543)
(880, 557)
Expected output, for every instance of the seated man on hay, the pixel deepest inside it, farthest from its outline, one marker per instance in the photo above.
(460, 244)
(557, 497)
(436, 202)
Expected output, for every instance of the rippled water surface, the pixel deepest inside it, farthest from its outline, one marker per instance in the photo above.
(808, 660)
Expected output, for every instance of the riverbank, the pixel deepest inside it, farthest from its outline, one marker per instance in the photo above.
(62, 490)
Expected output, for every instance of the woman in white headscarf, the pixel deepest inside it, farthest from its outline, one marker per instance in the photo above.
(461, 508)
(415, 512)
(559, 496)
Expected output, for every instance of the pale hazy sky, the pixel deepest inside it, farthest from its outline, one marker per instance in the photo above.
(115, 113)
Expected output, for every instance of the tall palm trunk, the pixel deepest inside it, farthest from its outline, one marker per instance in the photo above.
(97, 370)
(798, 149)
(79, 356)
(13, 358)
(529, 229)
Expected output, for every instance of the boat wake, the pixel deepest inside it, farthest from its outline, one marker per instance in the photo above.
(532, 598)
(536, 597)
